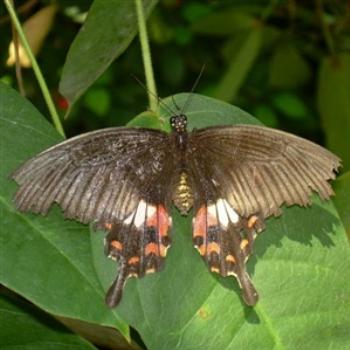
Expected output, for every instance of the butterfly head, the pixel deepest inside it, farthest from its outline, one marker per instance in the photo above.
(178, 123)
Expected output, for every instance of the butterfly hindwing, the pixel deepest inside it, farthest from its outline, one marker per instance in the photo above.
(225, 242)
(139, 244)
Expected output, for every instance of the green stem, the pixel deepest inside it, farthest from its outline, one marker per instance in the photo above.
(146, 56)
(45, 91)
(325, 28)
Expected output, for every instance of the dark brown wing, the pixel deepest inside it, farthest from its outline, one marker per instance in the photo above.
(116, 178)
(242, 175)
(258, 169)
(95, 176)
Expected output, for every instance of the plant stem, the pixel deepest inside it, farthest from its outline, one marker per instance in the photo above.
(146, 56)
(45, 91)
(325, 28)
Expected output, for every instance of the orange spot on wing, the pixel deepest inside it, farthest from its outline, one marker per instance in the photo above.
(230, 258)
(215, 269)
(150, 270)
(164, 222)
(134, 260)
(163, 250)
(213, 247)
(200, 223)
(244, 243)
(108, 226)
(201, 249)
(151, 248)
(117, 245)
(252, 221)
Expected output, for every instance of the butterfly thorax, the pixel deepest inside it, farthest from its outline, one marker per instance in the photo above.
(178, 124)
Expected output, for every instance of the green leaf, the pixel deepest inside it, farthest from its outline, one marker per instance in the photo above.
(291, 105)
(223, 23)
(240, 65)
(107, 32)
(342, 199)
(98, 100)
(334, 104)
(23, 326)
(46, 259)
(288, 68)
(295, 266)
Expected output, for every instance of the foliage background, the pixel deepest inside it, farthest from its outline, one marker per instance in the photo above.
(285, 62)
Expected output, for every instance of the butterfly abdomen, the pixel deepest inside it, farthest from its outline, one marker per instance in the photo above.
(183, 195)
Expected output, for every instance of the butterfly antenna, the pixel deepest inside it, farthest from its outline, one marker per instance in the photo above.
(193, 88)
(168, 109)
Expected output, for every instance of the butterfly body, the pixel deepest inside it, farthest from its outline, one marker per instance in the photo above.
(124, 180)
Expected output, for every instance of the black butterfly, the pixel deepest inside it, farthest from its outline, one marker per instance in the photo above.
(125, 179)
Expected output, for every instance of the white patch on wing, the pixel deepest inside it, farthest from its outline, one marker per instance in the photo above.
(140, 215)
(151, 209)
(212, 210)
(234, 217)
(222, 213)
(129, 219)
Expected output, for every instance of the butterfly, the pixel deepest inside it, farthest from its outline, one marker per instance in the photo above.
(125, 180)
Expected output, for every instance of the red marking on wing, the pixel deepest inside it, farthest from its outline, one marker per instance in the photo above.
(164, 221)
(161, 220)
(108, 226)
(151, 248)
(116, 244)
(200, 222)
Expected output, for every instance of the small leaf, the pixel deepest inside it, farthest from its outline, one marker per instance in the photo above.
(25, 327)
(107, 32)
(98, 100)
(288, 68)
(334, 104)
(290, 105)
(36, 29)
(240, 66)
(223, 23)
(266, 115)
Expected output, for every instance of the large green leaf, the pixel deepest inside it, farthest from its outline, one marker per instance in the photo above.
(46, 259)
(334, 104)
(296, 267)
(107, 32)
(23, 326)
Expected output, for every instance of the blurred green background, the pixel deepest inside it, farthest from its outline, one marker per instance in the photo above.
(285, 62)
